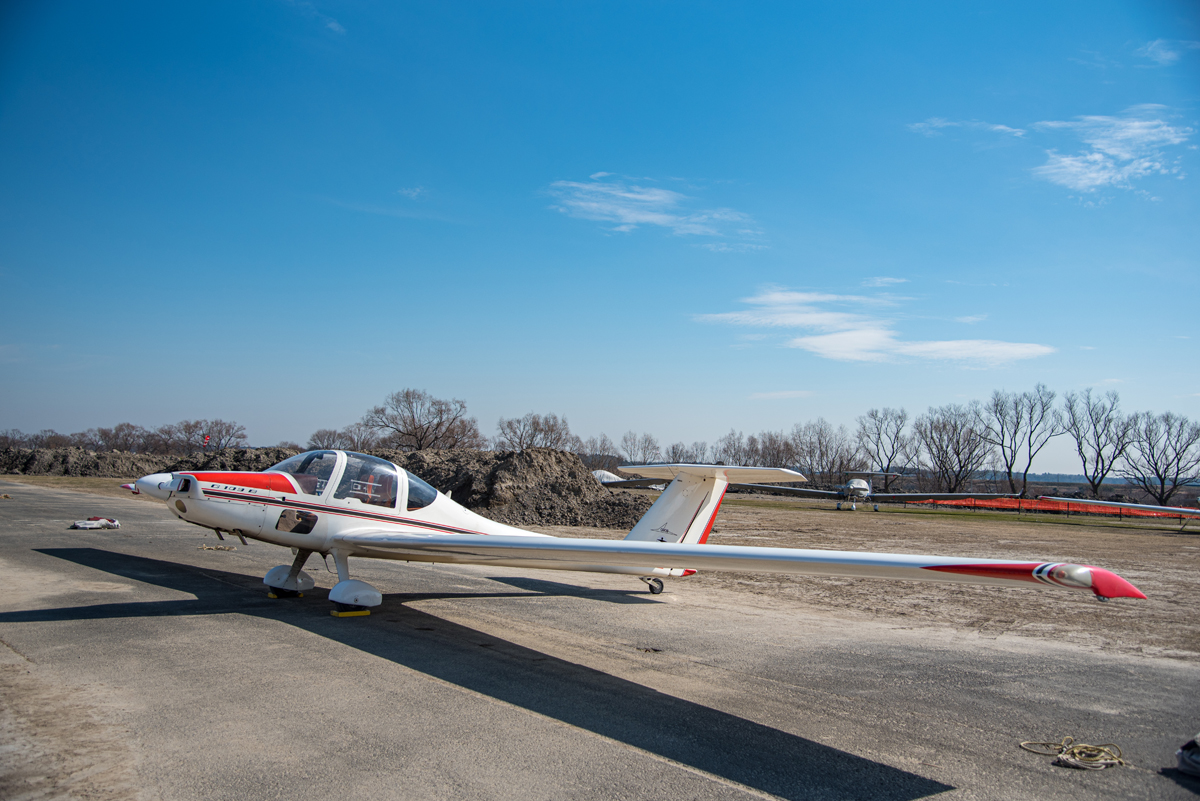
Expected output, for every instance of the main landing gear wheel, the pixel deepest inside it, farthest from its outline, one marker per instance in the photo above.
(654, 584)
(351, 597)
(284, 581)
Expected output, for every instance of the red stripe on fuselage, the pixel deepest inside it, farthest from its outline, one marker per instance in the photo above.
(274, 482)
(1022, 571)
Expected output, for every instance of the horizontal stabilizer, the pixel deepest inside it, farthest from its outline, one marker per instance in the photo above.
(729, 474)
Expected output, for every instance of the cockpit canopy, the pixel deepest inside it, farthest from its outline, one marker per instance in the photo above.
(367, 479)
(311, 470)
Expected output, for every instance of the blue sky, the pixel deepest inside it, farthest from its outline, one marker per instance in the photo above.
(676, 218)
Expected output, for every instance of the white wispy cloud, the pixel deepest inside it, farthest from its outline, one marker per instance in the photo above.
(782, 395)
(413, 192)
(631, 205)
(843, 328)
(1120, 149)
(934, 125)
(971, 318)
(883, 280)
(1165, 51)
(309, 10)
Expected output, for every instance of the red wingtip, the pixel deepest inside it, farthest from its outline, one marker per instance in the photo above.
(1108, 584)
(132, 488)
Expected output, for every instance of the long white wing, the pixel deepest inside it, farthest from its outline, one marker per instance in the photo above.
(878, 496)
(1168, 510)
(480, 549)
(802, 492)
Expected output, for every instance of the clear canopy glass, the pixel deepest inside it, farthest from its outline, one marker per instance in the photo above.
(420, 494)
(311, 470)
(368, 479)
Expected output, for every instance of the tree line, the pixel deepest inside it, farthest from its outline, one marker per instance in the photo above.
(947, 448)
(176, 439)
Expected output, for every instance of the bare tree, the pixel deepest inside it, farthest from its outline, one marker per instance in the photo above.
(324, 439)
(413, 420)
(699, 453)
(824, 452)
(677, 453)
(357, 437)
(535, 431)
(951, 446)
(1018, 426)
(189, 435)
(730, 449)
(516, 433)
(121, 437)
(225, 435)
(882, 440)
(598, 453)
(47, 438)
(1100, 431)
(648, 449)
(775, 449)
(629, 446)
(1163, 454)
(640, 449)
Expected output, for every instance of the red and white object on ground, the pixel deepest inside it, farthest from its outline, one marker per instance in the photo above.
(344, 504)
(97, 523)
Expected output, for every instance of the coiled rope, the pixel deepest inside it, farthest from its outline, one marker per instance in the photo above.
(1071, 754)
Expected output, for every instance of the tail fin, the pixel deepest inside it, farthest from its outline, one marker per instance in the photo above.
(686, 510)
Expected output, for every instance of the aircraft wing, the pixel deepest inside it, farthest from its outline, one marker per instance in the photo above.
(938, 496)
(1171, 510)
(799, 491)
(567, 552)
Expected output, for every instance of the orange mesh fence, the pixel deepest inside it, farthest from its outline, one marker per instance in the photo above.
(1069, 507)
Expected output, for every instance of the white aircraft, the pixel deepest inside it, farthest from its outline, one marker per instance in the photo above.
(859, 488)
(344, 504)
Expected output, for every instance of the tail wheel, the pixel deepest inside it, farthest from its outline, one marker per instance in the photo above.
(655, 585)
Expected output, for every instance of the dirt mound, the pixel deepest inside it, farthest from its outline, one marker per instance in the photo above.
(78, 462)
(538, 486)
(237, 459)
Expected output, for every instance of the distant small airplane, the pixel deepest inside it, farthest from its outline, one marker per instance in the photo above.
(860, 488)
(344, 504)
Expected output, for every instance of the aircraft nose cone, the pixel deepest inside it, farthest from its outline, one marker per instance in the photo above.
(155, 485)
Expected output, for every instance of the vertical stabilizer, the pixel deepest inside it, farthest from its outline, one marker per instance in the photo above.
(684, 513)
(686, 510)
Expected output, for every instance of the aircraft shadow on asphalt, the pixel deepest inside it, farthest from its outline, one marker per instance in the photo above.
(543, 587)
(686, 732)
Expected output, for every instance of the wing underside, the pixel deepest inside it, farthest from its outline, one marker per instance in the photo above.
(653, 557)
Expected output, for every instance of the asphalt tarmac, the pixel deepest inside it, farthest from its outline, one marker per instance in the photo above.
(137, 664)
